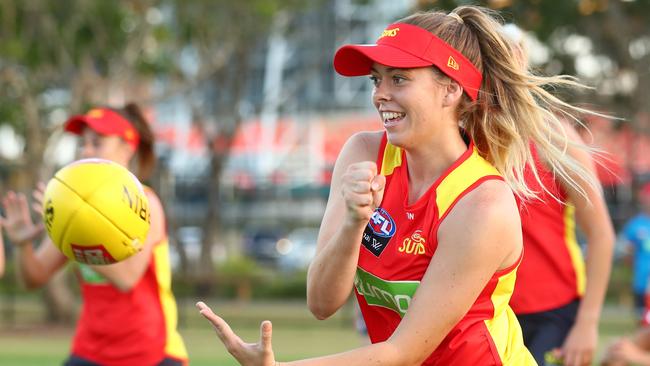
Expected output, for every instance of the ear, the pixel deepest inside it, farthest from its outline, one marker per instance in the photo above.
(453, 93)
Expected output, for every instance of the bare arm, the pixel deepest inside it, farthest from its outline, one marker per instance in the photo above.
(594, 221)
(38, 266)
(126, 274)
(349, 207)
(466, 258)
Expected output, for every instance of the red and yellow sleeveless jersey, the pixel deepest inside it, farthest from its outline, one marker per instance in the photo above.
(137, 327)
(397, 247)
(552, 273)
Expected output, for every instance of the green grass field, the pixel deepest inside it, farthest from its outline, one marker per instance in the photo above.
(296, 333)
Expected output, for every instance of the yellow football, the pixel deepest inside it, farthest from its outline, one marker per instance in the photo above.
(96, 211)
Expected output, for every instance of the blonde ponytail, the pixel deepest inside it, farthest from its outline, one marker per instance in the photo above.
(513, 108)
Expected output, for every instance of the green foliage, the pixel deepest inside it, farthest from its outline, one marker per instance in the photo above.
(239, 267)
(242, 272)
(283, 286)
(619, 289)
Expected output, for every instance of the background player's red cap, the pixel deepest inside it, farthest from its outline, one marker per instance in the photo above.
(406, 46)
(104, 121)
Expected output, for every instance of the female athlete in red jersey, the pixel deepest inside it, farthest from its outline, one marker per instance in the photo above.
(128, 315)
(421, 222)
(557, 298)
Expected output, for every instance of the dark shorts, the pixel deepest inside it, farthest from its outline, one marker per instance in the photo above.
(547, 330)
(78, 361)
(639, 305)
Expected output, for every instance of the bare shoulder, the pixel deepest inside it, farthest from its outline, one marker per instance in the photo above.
(486, 220)
(362, 146)
(492, 195)
(491, 202)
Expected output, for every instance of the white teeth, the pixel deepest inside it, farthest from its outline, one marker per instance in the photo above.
(387, 116)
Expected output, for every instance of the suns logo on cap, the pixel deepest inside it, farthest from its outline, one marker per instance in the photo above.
(389, 33)
(129, 134)
(95, 113)
(452, 63)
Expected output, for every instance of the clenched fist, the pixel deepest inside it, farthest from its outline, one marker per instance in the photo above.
(363, 190)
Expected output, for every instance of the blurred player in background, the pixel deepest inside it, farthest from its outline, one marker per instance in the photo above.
(129, 313)
(557, 303)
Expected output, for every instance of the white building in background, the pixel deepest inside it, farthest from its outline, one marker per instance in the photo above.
(294, 93)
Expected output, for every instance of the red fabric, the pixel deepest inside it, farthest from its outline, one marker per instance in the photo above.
(121, 328)
(407, 46)
(546, 278)
(469, 342)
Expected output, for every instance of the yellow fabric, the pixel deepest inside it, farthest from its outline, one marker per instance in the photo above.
(174, 345)
(574, 249)
(461, 178)
(504, 327)
(392, 159)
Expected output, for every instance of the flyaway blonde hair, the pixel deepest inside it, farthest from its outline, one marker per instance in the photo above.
(514, 107)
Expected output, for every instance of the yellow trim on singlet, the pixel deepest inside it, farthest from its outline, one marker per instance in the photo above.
(391, 159)
(174, 345)
(575, 253)
(461, 178)
(504, 328)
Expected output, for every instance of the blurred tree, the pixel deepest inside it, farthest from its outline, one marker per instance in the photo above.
(604, 42)
(223, 39)
(59, 57)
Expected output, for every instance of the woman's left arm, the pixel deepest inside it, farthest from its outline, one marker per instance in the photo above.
(593, 219)
(126, 274)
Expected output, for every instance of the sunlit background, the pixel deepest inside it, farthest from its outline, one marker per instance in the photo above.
(250, 116)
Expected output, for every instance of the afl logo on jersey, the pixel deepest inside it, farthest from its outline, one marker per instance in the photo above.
(379, 231)
(382, 224)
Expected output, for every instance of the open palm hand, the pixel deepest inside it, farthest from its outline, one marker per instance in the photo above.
(17, 221)
(247, 354)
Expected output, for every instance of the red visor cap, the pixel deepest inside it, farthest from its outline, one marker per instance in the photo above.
(407, 46)
(105, 122)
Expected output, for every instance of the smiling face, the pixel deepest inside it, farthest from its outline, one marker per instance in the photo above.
(410, 103)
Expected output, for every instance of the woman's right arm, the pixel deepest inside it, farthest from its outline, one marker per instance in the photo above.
(36, 266)
(355, 192)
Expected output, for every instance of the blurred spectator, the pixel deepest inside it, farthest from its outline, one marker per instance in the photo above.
(636, 236)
